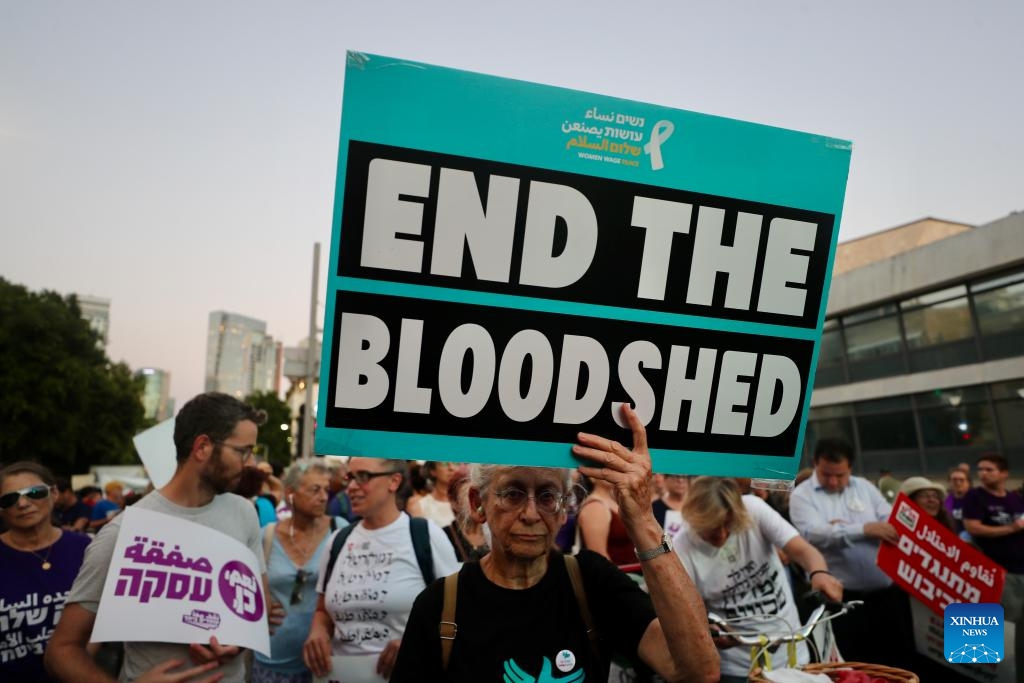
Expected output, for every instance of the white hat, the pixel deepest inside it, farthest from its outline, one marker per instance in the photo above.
(915, 484)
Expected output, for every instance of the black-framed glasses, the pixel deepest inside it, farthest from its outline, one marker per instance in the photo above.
(245, 452)
(548, 501)
(301, 577)
(362, 477)
(37, 492)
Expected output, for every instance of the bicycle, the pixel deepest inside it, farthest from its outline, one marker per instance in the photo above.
(816, 634)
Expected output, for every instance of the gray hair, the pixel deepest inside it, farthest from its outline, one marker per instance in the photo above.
(481, 477)
(302, 467)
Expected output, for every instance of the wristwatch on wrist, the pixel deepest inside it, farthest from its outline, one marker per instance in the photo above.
(664, 547)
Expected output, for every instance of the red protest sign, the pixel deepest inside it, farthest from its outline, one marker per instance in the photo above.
(931, 563)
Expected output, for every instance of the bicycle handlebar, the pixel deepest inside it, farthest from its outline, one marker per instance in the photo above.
(774, 639)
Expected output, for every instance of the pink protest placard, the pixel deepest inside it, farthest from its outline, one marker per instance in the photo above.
(174, 581)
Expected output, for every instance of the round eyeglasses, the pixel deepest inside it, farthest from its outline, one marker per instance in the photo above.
(245, 452)
(548, 501)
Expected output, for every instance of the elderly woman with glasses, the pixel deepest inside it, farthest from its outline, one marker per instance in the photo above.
(525, 612)
(38, 564)
(368, 586)
(293, 549)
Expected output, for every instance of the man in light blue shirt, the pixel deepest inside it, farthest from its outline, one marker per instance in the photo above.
(845, 517)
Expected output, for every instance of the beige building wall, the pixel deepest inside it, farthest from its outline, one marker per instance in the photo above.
(888, 243)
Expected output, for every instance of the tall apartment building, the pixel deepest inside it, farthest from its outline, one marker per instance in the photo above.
(921, 364)
(96, 311)
(240, 356)
(156, 401)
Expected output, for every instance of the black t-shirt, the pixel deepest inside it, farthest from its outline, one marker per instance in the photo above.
(535, 634)
(660, 509)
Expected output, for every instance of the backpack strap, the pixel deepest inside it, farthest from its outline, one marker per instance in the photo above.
(448, 629)
(334, 524)
(572, 566)
(421, 545)
(336, 546)
(453, 535)
(268, 542)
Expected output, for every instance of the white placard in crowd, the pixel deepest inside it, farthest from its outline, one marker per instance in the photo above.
(174, 581)
(156, 450)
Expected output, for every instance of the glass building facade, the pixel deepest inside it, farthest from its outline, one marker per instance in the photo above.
(240, 356)
(922, 381)
(156, 401)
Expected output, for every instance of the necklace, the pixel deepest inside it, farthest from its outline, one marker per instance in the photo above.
(45, 558)
(46, 564)
(311, 540)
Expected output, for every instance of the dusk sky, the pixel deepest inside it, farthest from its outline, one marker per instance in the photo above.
(179, 157)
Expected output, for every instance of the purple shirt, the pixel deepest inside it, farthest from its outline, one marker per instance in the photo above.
(31, 601)
(955, 507)
(992, 510)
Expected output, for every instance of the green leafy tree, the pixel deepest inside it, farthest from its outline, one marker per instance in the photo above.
(62, 402)
(273, 440)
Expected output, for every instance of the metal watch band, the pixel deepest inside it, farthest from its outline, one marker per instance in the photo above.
(661, 549)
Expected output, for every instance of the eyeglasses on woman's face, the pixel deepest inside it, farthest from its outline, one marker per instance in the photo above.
(37, 492)
(549, 501)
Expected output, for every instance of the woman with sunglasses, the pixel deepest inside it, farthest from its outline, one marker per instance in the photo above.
(516, 615)
(38, 564)
(366, 594)
(293, 549)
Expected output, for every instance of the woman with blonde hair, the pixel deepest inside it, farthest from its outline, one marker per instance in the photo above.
(727, 545)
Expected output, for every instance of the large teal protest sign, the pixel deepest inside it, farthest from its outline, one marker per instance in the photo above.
(511, 261)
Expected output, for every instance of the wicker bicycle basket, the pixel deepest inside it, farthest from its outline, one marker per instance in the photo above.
(888, 673)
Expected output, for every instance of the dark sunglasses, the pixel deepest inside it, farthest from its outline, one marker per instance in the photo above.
(300, 582)
(37, 492)
(362, 477)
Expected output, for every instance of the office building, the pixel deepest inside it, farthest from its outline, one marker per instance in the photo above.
(921, 363)
(156, 401)
(241, 357)
(96, 311)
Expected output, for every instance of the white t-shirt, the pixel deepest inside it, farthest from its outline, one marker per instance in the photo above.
(438, 511)
(673, 522)
(374, 582)
(745, 578)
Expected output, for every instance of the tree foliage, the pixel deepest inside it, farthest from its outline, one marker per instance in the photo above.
(272, 437)
(62, 402)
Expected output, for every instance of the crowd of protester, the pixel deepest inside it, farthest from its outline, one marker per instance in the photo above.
(505, 534)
